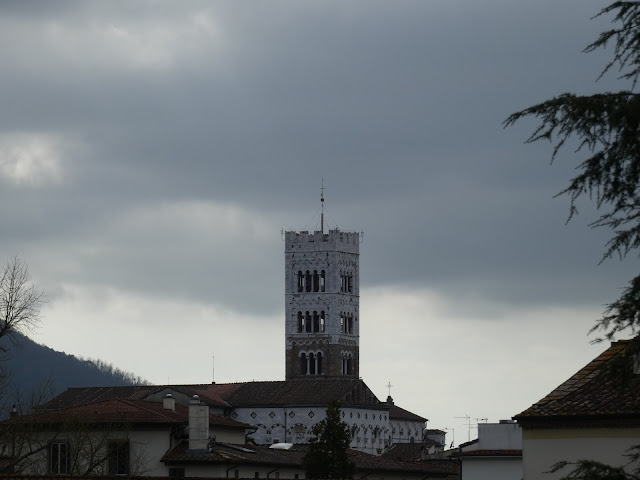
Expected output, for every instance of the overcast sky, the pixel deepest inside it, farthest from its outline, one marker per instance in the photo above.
(152, 152)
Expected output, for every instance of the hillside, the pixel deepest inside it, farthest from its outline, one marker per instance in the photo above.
(31, 367)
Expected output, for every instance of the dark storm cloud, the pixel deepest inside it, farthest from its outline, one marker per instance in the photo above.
(398, 105)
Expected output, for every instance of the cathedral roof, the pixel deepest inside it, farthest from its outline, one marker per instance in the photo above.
(397, 413)
(246, 394)
(298, 392)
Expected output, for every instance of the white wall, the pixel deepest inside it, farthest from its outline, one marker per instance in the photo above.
(293, 425)
(403, 430)
(147, 448)
(492, 469)
(499, 436)
(545, 447)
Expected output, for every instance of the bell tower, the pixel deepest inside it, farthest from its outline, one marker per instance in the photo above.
(322, 292)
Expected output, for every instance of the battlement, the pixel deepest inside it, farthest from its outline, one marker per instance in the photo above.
(335, 239)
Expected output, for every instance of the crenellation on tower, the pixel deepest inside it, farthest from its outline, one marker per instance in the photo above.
(322, 303)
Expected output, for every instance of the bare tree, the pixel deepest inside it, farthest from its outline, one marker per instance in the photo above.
(20, 302)
(43, 443)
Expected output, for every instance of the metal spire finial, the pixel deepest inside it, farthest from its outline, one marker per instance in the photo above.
(322, 204)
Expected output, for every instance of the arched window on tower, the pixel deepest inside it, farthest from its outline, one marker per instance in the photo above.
(350, 283)
(341, 322)
(316, 281)
(322, 280)
(322, 324)
(300, 322)
(346, 363)
(319, 359)
(316, 322)
(312, 364)
(307, 321)
(307, 281)
(300, 281)
(350, 322)
(303, 364)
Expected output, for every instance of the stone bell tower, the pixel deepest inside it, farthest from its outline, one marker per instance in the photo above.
(322, 294)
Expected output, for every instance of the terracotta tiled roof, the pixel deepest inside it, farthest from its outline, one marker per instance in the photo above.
(397, 413)
(406, 452)
(490, 453)
(75, 396)
(591, 394)
(248, 454)
(469, 443)
(252, 454)
(411, 452)
(365, 462)
(125, 412)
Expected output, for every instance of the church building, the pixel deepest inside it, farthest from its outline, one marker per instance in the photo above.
(322, 332)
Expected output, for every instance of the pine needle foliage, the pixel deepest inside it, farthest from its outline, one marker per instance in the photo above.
(591, 470)
(327, 457)
(606, 127)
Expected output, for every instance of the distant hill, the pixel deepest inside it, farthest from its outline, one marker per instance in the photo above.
(32, 368)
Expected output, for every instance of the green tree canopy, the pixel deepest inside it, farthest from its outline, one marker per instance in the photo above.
(327, 456)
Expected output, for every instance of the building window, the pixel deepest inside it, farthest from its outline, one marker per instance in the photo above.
(176, 472)
(307, 321)
(316, 281)
(312, 364)
(300, 322)
(346, 282)
(59, 458)
(307, 281)
(316, 322)
(346, 363)
(118, 457)
(322, 280)
(322, 324)
(300, 281)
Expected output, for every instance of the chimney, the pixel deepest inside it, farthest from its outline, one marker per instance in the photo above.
(169, 403)
(198, 425)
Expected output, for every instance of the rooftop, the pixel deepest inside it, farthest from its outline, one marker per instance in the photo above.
(591, 393)
(123, 412)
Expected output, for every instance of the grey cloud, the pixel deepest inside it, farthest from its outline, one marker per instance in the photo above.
(398, 105)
